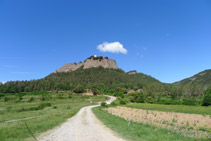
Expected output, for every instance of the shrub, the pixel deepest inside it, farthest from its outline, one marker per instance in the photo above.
(43, 98)
(103, 104)
(79, 89)
(122, 101)
(31, 99)
(6, 99)
(149, 99)
(70, 96)
(95, 91)
(188, 101)
(43, 105)
(136, 97)
(206, 101)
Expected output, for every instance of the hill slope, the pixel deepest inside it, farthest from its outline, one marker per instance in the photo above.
(195, 85)
(101, 78)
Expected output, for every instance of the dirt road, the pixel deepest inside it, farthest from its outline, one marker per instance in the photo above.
(82, 127)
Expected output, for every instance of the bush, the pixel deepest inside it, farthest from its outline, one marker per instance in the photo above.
(6, 99)
(189, 101)
(70, 96)
(31, 99)
(43, 98)
(149, 99)
(43, 105)
(103, 104)
(95, 91)
(206, 101)
(122, 101)
(79, 89)
(136, 97)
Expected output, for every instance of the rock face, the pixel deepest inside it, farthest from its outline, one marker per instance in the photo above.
(132, 72)
(91, 62)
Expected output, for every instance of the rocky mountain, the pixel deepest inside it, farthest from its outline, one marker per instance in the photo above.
(91, 62)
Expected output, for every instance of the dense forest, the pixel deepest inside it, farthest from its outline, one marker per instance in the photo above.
(116, 82)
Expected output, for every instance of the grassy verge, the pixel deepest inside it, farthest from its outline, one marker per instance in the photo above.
(137, 131)
(172, 108)
(46, 113)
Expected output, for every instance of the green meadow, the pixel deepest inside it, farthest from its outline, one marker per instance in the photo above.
(25, 115)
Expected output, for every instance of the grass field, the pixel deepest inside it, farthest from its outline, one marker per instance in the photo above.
(172, 108)
(137, 131)
(44, 113)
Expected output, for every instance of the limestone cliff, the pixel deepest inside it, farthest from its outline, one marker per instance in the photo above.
(91, 62)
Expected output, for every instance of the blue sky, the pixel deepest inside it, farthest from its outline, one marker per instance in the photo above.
(167, 39)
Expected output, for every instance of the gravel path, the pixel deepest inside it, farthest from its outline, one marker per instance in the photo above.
(82, 127)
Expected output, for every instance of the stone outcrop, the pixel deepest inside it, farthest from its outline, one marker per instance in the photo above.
(91, 62)
(132, 72)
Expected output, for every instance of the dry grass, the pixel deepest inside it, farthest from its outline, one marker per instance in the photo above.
(193, 125)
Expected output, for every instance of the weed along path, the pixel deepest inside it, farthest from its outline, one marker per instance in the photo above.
(84, 126)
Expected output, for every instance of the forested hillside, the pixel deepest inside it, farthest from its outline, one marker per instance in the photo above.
(103, 79)
(117, 82)
(195, 85)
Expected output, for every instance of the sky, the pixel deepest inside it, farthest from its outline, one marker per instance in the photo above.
(167, 39)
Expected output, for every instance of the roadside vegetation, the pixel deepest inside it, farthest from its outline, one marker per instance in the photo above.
(24, 115)
(137, 131)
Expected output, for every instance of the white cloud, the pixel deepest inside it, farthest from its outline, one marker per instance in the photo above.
(115, 47)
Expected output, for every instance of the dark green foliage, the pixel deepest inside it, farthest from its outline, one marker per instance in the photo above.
(39, 107)
(114, 82)
(122, 101)
(31, 99)
(103, 104)
(6, 99)
(70, 96)
(207, 98)
(79, 89)
(149, 99)
(137, 97)
(103, 79)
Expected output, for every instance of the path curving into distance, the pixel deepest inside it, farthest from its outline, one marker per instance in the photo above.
(84, 126)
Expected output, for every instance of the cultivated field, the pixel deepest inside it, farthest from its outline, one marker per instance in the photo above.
(27, 115)
(135, 131)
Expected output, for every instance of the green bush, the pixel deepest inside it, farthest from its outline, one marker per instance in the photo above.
(103, 104)
(31, 99)
(79, 89)
(149, 99)
(137, 97)
(70, 96)
(207, 98)
(6, 99)
(122, 101)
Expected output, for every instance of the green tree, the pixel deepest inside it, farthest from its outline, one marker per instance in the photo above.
(207, 98)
